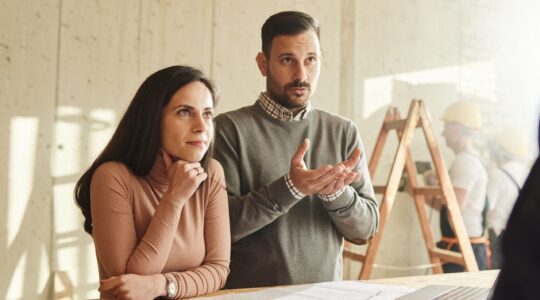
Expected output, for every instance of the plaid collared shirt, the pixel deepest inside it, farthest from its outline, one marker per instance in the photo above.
(279, 112)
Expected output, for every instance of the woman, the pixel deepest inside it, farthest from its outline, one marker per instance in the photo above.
(154, 200)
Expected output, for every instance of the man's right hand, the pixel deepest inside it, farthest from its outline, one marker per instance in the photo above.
(311, 182)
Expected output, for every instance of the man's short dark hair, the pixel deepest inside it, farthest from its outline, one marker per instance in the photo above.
(286, 23)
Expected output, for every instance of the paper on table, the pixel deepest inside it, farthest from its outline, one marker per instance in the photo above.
(342, 290)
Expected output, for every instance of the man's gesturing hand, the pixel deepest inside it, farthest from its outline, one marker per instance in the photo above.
(347, 176)
(311, 182)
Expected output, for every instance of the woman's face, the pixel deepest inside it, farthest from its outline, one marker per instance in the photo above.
(187, 126)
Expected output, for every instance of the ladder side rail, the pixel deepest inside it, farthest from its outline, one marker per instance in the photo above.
(419, 201)
(391, 188)
(449, 196)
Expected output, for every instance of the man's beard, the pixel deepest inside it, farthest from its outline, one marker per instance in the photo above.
(282, 97)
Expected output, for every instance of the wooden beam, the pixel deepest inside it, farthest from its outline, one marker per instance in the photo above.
(354, 256)
(448, 256)
(398, 124)
(428, 191)
(379, 189)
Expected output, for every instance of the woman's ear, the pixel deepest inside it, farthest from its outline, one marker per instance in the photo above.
(262, 63)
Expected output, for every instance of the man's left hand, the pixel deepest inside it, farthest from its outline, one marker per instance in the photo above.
(348, 176)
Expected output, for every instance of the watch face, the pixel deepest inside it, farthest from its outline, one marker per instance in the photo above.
(171, 289)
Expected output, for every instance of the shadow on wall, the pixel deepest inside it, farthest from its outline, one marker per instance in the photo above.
(81, 135)
(41, 229)
(25, 230)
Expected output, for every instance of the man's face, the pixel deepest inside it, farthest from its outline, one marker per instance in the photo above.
(292, 68)
(452, 134)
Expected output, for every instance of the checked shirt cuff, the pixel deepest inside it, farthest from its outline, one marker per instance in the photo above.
(294, 191)
(334, 196)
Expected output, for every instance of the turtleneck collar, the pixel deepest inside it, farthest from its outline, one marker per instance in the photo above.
(158, 174)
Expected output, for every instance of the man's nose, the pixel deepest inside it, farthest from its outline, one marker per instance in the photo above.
(300, 73)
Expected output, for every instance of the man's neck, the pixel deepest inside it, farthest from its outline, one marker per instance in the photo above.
(294, 110)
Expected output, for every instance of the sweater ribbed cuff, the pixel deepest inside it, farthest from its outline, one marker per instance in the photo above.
(280, 194)
(342, 202)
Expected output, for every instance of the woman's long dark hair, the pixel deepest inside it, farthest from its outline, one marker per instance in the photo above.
(137, 140)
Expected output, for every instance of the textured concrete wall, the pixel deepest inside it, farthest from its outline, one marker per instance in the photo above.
(69, 68)
(28, 64)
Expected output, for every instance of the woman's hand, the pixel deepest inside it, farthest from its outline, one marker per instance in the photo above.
(131, 286)
(184, 178)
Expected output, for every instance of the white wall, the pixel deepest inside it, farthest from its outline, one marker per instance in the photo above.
(69, 68)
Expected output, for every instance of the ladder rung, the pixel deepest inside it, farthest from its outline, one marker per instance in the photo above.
(428, 191)
(379, 189)
(399, 124)
(354, 255)
(448, 256)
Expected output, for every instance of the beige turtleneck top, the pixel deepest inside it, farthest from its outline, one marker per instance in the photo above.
(136, 231)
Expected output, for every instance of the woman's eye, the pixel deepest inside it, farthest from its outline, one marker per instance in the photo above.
(183, 112)
(208, 115)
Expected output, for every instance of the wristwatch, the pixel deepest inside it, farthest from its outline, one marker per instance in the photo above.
(171, 287)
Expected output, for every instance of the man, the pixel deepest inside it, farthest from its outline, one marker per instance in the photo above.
(519, 278)
(469, 178)
(508, 151)
(291, 207)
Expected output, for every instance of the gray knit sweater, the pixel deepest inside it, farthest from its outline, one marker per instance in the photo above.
(278, 240)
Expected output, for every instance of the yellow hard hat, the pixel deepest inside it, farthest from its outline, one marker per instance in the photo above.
(513, 140)
(465, 113)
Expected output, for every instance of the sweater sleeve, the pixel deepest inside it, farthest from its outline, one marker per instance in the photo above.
(212, 274)
(355, 212)
(252, 210)
(117, 248)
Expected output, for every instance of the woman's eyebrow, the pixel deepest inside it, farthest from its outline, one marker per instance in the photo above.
(183, 106)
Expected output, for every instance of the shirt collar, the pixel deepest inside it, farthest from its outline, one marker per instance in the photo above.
(280, 112)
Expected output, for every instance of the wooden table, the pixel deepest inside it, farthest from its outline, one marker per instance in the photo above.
(474, 279)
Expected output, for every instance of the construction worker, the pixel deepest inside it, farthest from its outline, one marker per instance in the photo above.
(518, 278)
(469, 178)
(508, 151)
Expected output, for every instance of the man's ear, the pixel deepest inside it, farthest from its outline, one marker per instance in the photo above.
(262, 63)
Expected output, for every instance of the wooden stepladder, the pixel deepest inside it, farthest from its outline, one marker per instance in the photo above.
(417, 117)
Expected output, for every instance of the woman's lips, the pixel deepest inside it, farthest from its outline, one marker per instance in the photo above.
(199, 144)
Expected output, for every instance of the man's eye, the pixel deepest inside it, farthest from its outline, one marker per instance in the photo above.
(312, 59)
(286, 60)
